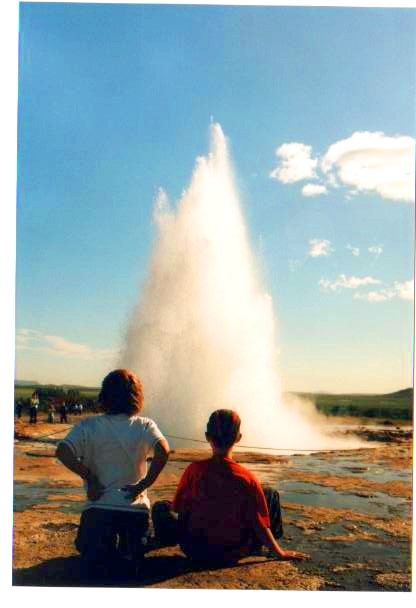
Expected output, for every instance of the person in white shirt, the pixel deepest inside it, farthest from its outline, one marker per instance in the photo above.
(109, 453)
(34, 404)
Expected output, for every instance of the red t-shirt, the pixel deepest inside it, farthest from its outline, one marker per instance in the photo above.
(223, 501)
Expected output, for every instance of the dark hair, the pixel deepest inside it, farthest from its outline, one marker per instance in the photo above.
(121, 393)
(223, 428)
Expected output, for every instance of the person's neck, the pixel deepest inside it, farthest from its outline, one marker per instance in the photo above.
(222, 452)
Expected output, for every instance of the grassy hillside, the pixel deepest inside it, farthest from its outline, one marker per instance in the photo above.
(398, 405)
(26, 391)
(395, 406)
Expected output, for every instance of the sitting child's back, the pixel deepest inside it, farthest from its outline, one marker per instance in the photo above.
(223, 502)
(220, 511)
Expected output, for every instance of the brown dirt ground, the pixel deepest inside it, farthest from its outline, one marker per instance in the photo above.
(44, 533)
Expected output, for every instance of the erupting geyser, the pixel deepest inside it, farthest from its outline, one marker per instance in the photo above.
(203, 334)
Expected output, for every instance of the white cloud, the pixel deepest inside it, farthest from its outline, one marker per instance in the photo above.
(319, 248)
(373, 162)
(314, 189)
(294, 164)
(63, 347)
(373, 296)
(376, 250)
(25, 336)
(30, 339)
(369, 162)
(344, 282)
(401, 291)
(354, 250)
(405, 291)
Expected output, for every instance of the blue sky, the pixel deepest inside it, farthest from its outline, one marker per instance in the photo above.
(115, 101)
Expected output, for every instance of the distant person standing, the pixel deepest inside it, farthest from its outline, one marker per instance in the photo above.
(51, 413)
(34, 404)
(80, 409)
(63, 412)
(19, 408)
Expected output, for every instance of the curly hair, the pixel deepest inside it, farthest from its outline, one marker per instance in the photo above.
(121, 393)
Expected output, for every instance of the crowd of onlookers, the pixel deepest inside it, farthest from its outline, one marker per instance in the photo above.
(57, 409)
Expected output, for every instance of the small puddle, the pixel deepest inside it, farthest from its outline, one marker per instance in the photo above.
(28, 495)
(349, 466)
(315, 495)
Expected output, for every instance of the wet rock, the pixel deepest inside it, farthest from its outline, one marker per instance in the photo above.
(349, 566)
(395, 581)
(60, 527)
(44, 534)
(352, 484)
(351, 527)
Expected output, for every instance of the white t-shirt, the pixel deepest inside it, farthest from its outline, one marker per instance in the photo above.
(115, 449)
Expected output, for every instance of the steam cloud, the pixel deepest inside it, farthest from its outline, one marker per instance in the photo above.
(203, 336)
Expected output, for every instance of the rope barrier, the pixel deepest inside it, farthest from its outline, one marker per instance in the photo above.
(65, 428)
(249, 447)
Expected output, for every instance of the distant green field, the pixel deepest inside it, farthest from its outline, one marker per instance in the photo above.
(25, 392)
(396, 406)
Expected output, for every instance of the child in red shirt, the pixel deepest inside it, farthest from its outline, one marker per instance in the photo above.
(223, 512)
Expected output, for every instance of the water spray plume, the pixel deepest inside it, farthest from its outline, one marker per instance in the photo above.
(203, 334)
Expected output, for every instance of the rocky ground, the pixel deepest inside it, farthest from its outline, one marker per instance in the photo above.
(349, 510)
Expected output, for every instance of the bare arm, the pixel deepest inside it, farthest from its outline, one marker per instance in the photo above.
(266, 537)
(159, 460)
(65, 455)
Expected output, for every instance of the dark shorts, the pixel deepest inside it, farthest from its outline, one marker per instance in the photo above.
(104, 534)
